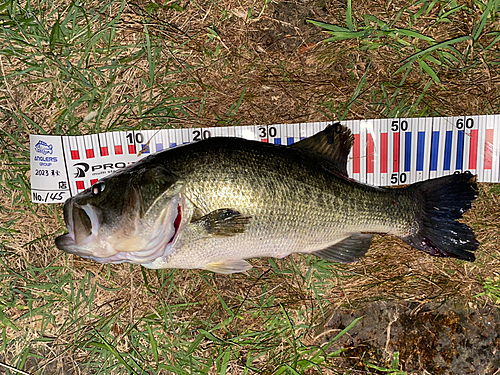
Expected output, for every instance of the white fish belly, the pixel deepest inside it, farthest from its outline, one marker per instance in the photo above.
(198, 253)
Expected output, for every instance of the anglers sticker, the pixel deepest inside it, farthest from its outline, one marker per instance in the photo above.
(386, 152)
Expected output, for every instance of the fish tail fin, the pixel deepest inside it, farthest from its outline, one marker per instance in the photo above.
(442, 202)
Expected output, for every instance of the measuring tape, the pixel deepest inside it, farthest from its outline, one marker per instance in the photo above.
(386, 152)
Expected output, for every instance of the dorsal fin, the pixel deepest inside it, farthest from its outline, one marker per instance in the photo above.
(333, 143)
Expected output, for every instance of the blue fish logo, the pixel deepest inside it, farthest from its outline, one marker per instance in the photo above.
(43, 148)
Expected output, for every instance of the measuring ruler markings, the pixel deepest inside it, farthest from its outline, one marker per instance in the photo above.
(386, 152)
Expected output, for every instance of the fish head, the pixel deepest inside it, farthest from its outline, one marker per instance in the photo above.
(131, 216)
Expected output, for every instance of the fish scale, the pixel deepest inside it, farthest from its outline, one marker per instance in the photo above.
(275, 202)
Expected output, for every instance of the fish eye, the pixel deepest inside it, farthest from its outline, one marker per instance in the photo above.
(98, 188)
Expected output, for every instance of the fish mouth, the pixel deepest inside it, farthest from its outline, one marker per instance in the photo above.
(158, 244)
(83, 226)
(146, 244)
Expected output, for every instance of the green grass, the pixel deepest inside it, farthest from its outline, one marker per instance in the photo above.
(156, 340)
(492, 288)
(85, 47)
(393, 370)
(133, 68)
(413, 43)
(416, 48)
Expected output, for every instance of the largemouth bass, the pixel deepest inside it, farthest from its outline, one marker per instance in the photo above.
(217, 202)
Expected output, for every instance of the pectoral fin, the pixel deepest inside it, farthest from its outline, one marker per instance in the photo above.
(224, 222)
(229, 266)
(348, 250)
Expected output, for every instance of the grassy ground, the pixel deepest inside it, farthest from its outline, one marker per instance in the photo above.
(80, 67)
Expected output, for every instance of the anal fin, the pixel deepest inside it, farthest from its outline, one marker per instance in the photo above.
(229, 266)
(348, 250)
